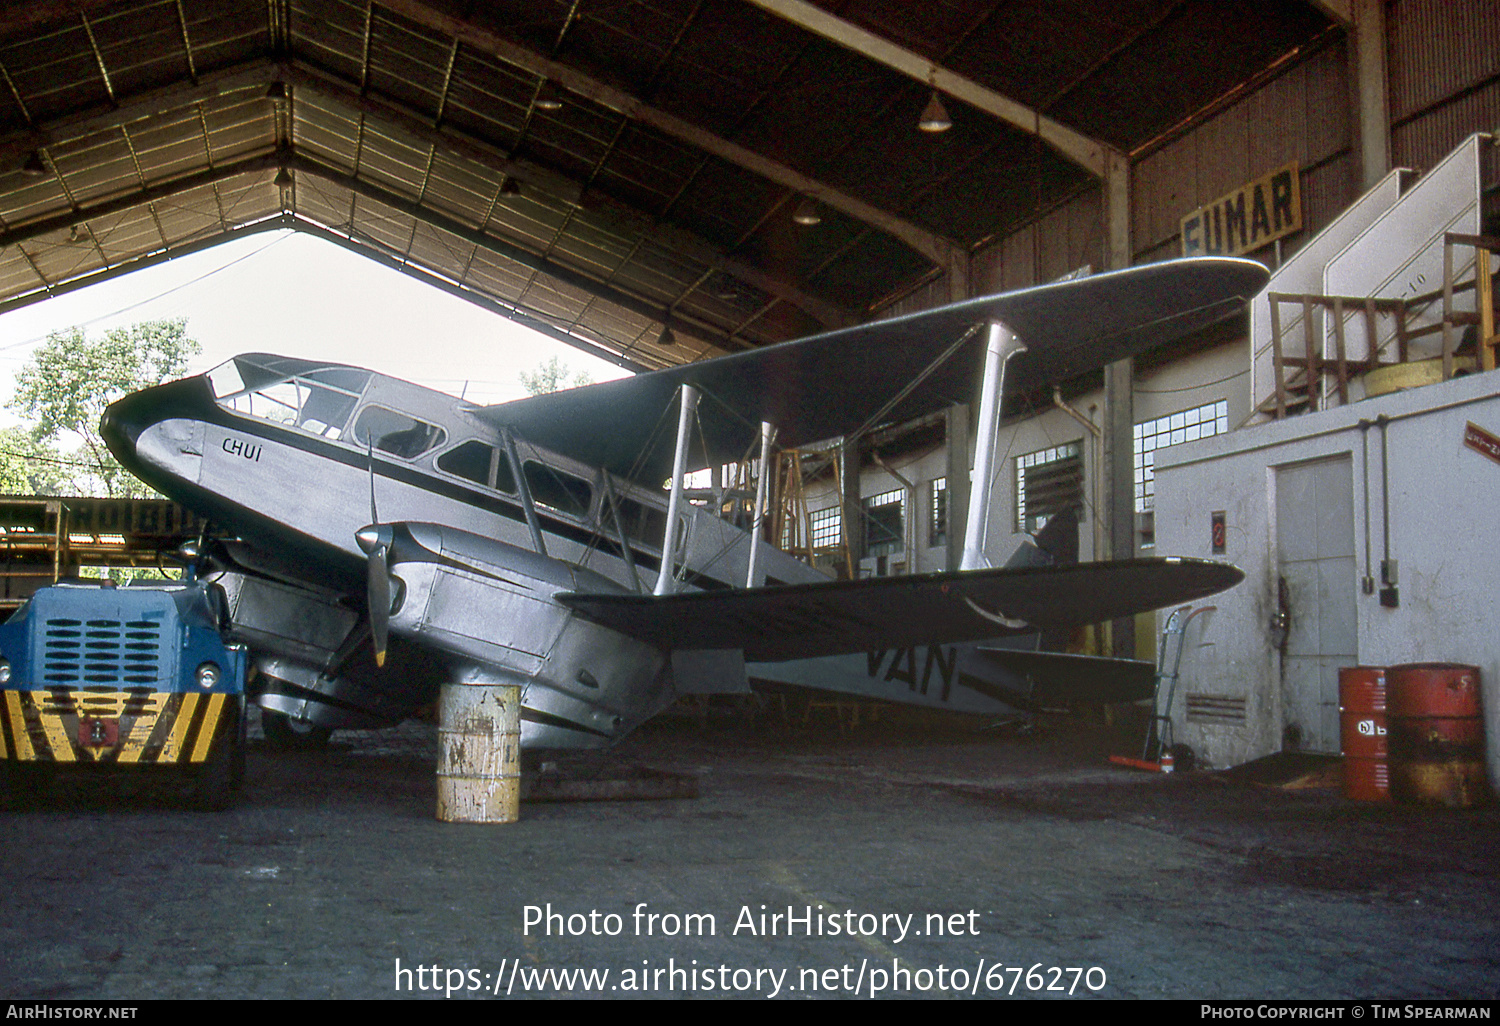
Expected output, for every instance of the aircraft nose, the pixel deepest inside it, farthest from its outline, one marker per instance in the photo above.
(122, 424)
(126, 418)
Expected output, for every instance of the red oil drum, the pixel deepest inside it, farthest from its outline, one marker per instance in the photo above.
(1436, 734)
(1363, 733)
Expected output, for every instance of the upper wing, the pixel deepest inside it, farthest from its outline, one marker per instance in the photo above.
(801, 621)
(829, 385)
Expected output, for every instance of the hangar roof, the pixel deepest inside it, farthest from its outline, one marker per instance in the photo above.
(601, 169)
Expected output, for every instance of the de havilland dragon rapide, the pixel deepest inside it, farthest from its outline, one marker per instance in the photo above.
(387, 539)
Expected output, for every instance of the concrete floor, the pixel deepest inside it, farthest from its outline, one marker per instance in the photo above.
(332, 879)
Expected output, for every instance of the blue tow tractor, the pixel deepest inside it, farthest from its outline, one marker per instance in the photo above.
(139, 679)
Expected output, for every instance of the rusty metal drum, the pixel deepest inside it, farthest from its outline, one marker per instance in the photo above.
(1436, 734)
(1363, 733)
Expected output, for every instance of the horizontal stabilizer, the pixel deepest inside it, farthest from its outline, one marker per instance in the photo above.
(801, 621)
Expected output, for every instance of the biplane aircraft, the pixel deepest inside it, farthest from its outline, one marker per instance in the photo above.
(389, 539)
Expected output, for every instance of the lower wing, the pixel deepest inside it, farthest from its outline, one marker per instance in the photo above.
(803, 621)
(1061, 678)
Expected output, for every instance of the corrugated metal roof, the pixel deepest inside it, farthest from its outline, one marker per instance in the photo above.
(658, 190)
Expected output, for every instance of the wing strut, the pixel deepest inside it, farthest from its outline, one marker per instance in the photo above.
(1000, 345)
(532, 524)
(767, 432)
(670, 544)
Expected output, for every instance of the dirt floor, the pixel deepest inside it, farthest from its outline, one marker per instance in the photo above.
(910, 857)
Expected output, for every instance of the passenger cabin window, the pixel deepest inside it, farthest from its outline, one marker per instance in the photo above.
(643, 523)
(293, 393)
(481, 463)
(558, 490)
(396, 433)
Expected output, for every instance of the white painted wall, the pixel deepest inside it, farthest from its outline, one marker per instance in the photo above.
(1443, 526)
(1192, 381)
(922, 472)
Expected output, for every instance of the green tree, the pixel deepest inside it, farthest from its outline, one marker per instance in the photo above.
(30, 467)
(552, 376)
(71, 378)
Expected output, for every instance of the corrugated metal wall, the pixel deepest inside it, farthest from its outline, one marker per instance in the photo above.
(1438, 50)
(1302, 115)
(934, 293)
(1444, 68)
(1057, 243)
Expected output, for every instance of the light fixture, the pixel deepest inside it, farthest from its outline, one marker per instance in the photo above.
(34, 167)
(935, 115)
(276, 91)
(283, 179)
(807, 212)
(547, 97)
(666, 340)
(510, 187)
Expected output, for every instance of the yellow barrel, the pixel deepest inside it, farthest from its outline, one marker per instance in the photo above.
(479, 753)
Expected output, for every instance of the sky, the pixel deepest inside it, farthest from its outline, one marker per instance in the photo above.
(296, 295)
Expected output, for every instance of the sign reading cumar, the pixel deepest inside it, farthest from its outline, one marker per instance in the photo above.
(1248, 218)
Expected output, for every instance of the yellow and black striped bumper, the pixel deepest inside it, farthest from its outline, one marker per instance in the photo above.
(117, 728)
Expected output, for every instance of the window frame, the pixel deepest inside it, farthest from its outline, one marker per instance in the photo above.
(1062, 452)
(1182, 426)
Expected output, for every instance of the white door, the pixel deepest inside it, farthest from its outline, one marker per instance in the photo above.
(1316, 558)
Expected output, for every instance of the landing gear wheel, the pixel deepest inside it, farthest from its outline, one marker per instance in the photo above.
(284, 732)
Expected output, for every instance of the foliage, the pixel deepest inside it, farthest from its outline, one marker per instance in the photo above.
(552, 376)
(126, 574)
(71, 378)
(32, 467)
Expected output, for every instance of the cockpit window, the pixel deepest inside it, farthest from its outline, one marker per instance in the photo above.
(297, 393)
(396, 433)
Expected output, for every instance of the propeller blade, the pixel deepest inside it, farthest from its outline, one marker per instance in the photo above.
(376, 543)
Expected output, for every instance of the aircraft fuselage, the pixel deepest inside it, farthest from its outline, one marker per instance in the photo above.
(296, 457)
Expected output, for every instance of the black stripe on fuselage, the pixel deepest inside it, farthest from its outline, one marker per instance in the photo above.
(429, 482)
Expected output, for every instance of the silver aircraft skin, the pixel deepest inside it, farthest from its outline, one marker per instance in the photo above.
(296, 457)
(527, 543)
